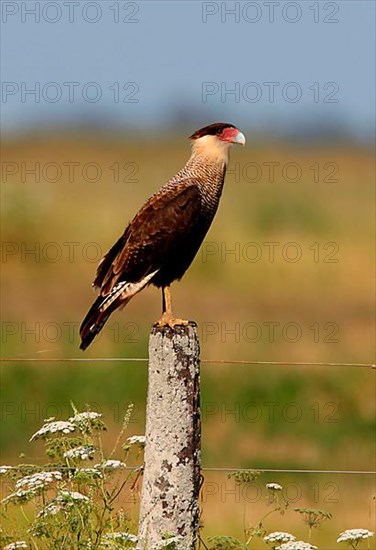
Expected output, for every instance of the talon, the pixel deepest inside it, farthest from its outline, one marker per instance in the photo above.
(169, 320)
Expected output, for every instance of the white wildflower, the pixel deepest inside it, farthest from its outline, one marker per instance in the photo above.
(82, 417)
(53, 427)
(296, 545)
(88, 471)
(274, 486)
(19, 496)
(74, 495)
(29, 486)
(51, 509)
(16, 545)
(5, 469)
(134, 439)
(82, 453)
(279, 536)
(354, 535)
(37, 481)
(110, 465)
(66, 499)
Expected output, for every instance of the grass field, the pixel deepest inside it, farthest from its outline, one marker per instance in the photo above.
(286, 274)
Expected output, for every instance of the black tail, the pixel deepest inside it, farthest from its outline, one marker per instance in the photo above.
(93, 323)
(103, 306)
(100, 311)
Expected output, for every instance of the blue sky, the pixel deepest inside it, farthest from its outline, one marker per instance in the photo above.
(267, 65)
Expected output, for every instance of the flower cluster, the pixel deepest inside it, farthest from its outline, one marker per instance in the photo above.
(84, 417)
(109, 465)
(66, 499)
(36, 481)
(53, 427)
(82, 453)
(274, 486)
(296, 545)
(87, 421)
(354, 535)
(74, 496)
(29, 486)
(16, 545)
(88, 472)
(137, 439)
(279, 536)
(18, 497)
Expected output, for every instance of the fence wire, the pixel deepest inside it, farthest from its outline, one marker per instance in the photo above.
(203, 361)
(36, 468)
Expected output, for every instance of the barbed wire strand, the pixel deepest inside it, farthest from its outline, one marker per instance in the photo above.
(291, 471)
(205, 469)
(204, 361)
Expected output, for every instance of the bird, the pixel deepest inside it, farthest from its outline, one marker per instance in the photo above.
(161, 241)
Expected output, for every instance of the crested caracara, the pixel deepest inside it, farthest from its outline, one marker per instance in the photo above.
(161, 241)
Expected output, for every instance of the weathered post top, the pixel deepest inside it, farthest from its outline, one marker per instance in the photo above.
(171, 483)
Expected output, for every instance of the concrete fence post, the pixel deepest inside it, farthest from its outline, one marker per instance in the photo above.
(171, 480)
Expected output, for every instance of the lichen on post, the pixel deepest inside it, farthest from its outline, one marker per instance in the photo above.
(171, 480)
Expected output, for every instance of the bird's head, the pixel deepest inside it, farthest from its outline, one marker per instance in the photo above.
(215, 140)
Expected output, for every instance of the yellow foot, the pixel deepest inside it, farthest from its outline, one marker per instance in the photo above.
(168, 319)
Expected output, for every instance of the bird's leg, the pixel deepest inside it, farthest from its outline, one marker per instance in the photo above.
(166, 300)
(167, 316)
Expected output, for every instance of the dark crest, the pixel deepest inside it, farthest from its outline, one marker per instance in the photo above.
(211, 130)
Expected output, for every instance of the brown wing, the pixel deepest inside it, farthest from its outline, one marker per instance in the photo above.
(153, 234)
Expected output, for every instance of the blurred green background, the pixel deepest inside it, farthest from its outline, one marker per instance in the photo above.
(311, 301)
